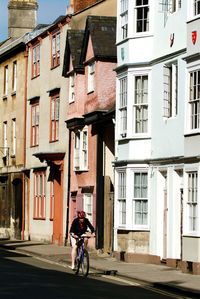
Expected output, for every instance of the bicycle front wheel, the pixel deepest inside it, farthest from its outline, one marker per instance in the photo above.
(85, 263)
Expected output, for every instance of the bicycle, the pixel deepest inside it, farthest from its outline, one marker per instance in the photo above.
(82, 259)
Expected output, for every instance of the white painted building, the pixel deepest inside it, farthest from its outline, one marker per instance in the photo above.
(157, 127)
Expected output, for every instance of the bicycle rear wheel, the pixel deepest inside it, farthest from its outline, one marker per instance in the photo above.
(85, 263)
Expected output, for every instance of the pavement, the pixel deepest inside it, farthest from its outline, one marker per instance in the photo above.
(160, 276)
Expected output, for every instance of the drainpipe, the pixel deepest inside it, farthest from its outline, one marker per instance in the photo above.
(24, 142)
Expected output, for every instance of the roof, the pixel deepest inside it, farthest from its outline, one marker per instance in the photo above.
(103, 35)
(73, 47)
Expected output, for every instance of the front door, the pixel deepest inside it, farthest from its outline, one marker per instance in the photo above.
(57, 237)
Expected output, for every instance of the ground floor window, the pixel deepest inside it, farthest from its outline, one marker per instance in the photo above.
(192, 200)
(140, 200)
(39, 195)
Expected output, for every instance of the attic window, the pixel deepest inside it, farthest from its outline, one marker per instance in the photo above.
(91, 74)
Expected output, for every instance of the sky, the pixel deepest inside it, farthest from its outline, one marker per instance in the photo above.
(48, 11)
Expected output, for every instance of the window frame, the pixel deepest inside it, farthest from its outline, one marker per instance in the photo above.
(91, 77)
(54, 117)
(140, 198)
(72, 87)
(196, 7)
(34, 141)
(123, 102)
(192, 203)
(5, 85)
(140, 106)
(124, 5)
(35, 60)
(194, 101)
(121, 197)
(81, 150)
(170, 93)
(88, 205)
(39, 196)
(13, 138)
(142, 8)
(5, 139)
(14, 77)
(55, 49)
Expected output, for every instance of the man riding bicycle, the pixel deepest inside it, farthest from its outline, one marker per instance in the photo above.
(79, 226)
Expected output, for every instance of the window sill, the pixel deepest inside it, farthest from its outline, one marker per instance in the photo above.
(81, 170)
(89, 92)
(37, 218)
(13, 93)
(139, 137)
(13, 156)
(52, 141)
(35, 77)
(196, 133)
(55, 66)
(5, 97)
(34, 145)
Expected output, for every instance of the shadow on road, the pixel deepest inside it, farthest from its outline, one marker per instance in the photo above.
(26, 278)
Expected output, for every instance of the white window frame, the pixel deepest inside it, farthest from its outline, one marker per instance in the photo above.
(170, 85)
(194, 100)
(91, 76)
(81, 150)
(170, 6)
(192, 202)
(88, 205)
(124, 18)
(145, 8)
(140, 107)
(71, 88)
(123, 101)
(140, 198)
(121, 197)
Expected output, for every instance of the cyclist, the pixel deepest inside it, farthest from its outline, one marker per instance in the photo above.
(79, 226)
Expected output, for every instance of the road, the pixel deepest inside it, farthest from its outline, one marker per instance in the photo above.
(28, 277)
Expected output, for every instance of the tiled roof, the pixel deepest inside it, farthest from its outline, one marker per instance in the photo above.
(73, 47)
(103, 35)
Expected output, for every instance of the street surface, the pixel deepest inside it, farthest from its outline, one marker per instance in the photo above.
(25, 277)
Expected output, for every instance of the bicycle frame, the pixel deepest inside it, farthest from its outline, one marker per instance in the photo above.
(82, 258)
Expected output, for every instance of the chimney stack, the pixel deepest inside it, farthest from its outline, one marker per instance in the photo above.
(22, 17)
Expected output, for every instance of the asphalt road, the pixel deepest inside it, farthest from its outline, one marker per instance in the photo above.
(28, 277)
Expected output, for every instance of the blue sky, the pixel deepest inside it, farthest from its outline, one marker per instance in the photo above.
(48, 11)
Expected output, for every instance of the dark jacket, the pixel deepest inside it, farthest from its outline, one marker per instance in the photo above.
(79, 228)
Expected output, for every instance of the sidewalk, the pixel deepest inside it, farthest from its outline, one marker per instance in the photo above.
(155, 275)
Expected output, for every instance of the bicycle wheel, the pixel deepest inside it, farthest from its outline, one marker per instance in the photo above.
(85, 263)
(78, 260)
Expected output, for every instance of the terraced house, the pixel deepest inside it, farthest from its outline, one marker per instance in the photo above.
(12, 116)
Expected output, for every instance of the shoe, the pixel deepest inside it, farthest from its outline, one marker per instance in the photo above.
(73, 268)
